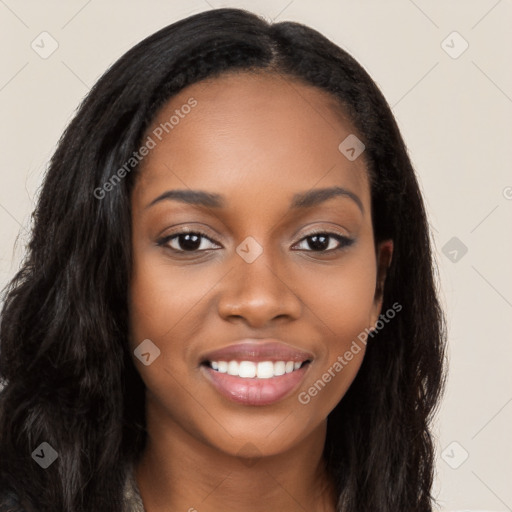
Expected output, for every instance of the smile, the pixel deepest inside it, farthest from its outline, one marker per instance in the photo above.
(255, 384)
(258, 370)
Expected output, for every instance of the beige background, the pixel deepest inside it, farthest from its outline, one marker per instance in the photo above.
(455, 117)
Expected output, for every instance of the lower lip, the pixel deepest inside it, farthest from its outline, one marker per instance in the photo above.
(255, 391)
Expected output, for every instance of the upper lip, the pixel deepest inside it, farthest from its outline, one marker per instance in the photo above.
(257, 350)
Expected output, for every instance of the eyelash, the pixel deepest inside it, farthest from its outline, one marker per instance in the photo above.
(344, 241)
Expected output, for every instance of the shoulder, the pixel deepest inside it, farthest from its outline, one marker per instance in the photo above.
(9, 502)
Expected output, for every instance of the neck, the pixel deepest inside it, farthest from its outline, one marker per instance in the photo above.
(178, 471)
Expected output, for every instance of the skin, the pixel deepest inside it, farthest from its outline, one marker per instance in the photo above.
(257, 139)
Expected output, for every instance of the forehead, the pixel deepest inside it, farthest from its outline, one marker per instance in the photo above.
(264, 133)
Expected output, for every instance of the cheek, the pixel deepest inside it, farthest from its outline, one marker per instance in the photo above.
(339, 302)
(163, 298)
(342, 297)
(168, 305)
(161, 295)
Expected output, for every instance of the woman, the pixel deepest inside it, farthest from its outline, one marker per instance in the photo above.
(228, 301)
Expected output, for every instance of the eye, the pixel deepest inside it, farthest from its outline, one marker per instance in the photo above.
(322, 241)
(196, 241)
(188, 241)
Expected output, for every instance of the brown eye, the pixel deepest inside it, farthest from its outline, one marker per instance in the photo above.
(324, 242)
(188, 242)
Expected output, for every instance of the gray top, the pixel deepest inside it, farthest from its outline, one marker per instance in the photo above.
(133, 500)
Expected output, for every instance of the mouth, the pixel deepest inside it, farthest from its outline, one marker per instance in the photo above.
(256, 372)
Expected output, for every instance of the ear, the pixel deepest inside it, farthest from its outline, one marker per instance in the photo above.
(384, 257)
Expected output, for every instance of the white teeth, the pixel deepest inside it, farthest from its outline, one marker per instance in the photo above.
(265, 370)
(249, 369)
(279, 367)
(233, 368)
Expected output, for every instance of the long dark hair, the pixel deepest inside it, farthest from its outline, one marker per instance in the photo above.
(68, 375)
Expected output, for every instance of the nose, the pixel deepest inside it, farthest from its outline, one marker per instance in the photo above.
(260, 293)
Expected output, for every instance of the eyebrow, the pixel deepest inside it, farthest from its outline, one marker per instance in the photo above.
(307, 199)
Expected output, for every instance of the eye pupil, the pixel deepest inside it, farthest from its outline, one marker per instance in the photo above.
(189, 241)
(318, 242)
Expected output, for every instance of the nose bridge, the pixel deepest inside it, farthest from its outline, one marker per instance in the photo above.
(257, 289)
(262, 274)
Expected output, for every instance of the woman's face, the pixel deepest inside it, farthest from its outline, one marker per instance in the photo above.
(257, 149)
